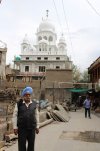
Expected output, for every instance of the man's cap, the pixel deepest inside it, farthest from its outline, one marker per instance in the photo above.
(28, 90)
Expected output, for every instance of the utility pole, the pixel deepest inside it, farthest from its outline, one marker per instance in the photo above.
(53, 92)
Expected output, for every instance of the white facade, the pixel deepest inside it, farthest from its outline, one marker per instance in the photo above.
(3, 51)
(45, 54)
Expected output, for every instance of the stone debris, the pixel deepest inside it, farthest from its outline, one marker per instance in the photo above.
(2, 144)
(47, 115)
(46, 122)
(10, 137)
(97, 110)
(59, 113)
(8, 93)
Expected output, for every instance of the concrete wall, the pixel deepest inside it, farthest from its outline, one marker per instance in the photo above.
(59, 75)
(56, 85)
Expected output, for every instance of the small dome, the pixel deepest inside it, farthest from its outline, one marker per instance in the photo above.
(17, 58)
(25, 40)
(62, 40)
(46, 25)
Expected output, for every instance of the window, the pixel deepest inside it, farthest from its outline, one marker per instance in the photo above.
(49, 49)
(45, 47)
(24, 47)
(45, 58)
(57, 58)
(26, 68)
(41, 68)
(27, 58)
(39, 38)
(50, 38)
(45, 37)
(57, 67)
(38, 58)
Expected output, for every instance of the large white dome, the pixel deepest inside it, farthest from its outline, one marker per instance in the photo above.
(46, 25)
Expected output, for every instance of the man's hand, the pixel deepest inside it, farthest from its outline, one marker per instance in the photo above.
(37, 130)
(15, 131)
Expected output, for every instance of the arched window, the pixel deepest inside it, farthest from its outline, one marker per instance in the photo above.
(50, 38)
(39, 38)
(45, 37)
(44, 47)
(24, 47)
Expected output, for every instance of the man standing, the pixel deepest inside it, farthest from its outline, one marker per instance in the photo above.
(26, 120)
(87, 106)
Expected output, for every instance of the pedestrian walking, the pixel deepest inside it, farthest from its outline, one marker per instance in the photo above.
(26, 120)
(87, 106)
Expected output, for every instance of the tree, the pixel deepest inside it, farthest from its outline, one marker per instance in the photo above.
(85, 76)
(79, 76)
(76, 73)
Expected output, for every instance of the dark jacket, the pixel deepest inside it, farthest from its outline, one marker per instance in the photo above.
(26, 115)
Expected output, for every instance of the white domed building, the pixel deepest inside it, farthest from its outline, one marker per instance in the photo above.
(46, 60)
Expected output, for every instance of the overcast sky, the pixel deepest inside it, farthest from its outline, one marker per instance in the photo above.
(79, 20)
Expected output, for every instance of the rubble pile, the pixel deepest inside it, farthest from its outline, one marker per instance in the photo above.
(8, 94)
(97, 110)
(59, 113)
(48, 113)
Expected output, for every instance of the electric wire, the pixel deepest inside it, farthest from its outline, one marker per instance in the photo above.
(58, 16)
(94, 9)
(66, 20)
